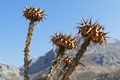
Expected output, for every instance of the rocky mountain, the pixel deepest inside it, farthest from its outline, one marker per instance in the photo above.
(101, 62)
(8, 72)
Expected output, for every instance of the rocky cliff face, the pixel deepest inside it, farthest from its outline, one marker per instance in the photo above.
(8, 72)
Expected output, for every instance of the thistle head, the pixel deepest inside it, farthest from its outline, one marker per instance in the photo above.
(34, 14)
(67, 59)
(93, 31)
(64, 41)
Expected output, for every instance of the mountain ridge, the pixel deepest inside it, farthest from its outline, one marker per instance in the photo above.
(100, 56)
(99, 61)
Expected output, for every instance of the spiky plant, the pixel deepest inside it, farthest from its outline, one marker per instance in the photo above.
(33, 15)
(63, 42)
(91, 32)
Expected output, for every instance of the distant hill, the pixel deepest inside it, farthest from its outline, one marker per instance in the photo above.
(8, 72)
(102, 63)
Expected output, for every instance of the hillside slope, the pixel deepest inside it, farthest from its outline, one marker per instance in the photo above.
(99, 60)
(8, 72)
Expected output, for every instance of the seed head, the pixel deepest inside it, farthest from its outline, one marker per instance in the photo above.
(64, 41)
(67, 59)
(34, 14)
(93, 31)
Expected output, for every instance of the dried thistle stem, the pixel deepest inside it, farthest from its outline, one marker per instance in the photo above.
(27, 51)
(64, 42)
(55, 64)
(33, 15)
(91, 32)
(76, 59)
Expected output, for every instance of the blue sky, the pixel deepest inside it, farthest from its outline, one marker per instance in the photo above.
(62, 16)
